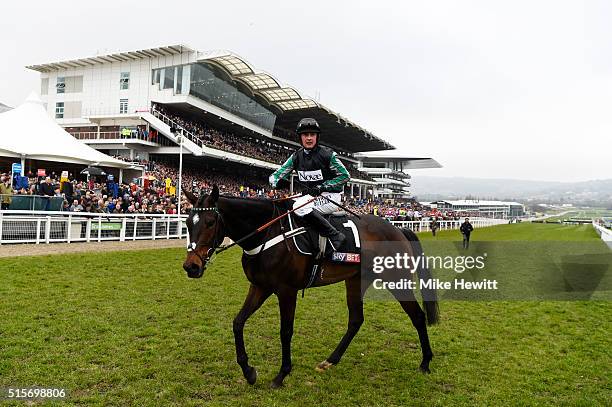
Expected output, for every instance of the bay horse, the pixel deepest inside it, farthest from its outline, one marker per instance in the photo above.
(281, 270)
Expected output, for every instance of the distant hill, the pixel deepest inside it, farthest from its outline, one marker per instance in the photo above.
(591, 193)
(4, 108)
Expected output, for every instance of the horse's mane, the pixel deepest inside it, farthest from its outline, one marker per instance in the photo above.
(285, 204)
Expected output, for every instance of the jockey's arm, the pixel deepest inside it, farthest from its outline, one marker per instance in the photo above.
(341, 175)
(282, 172)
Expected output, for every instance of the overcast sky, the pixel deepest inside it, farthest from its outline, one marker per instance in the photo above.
(491, 89)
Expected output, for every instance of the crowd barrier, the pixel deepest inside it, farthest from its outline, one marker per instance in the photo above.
(67, 227)
(605, 234)
(32, 202)
(425, 225)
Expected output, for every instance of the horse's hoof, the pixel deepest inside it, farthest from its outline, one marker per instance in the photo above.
(251, 376)
(323, 366)
(424, 369)
(275, 384)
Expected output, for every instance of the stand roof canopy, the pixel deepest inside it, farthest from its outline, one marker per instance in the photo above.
(28, 131)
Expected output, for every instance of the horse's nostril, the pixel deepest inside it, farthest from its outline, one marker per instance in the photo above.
(191, 268)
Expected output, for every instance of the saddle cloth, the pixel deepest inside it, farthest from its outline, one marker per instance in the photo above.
(311, 243)
(308, 241)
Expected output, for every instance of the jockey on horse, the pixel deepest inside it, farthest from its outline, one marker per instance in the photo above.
(320, 170)
(277, 269)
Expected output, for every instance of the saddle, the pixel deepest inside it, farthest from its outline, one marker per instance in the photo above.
(311, 243)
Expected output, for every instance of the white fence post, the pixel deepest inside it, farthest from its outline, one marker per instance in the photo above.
(69, 229)
(135, 227)
(88, 230)
(122, 232)
(38, 231)
(47, 229)
(99, 228)
(153, 226)
(0, 228)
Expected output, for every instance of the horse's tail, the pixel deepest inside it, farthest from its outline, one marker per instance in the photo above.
(430, 301)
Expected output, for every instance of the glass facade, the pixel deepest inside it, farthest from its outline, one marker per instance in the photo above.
(168, 78)
(204, 84)
(178, 87)
(200, 81)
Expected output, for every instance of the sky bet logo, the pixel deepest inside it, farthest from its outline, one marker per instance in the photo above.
(346, 257)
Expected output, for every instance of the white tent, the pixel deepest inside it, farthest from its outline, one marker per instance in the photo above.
(28, 132)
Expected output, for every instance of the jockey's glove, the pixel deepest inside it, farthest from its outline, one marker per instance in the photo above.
(315, 191)
(271, 181)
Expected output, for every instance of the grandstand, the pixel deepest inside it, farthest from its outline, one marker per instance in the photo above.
(136, 104)
(492, 209)
(388, 170)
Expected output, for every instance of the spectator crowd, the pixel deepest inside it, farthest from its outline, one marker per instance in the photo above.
(403, 210)
(241, 145)
(155, 193)
(226, 141)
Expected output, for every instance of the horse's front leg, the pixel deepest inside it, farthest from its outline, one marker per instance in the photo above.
(255, 298)
(286, 302)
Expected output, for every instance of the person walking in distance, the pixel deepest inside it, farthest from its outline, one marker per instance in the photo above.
(466, 229)
(434, 225)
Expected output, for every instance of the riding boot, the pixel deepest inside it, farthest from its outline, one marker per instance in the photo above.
(325, 229)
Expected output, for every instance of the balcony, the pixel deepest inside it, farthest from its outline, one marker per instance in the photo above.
(111, 137)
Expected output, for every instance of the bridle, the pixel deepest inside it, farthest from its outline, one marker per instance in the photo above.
(219, 219)
(191, 248)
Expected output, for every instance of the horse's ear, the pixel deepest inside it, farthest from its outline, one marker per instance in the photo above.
(191, 198)
(214, 195)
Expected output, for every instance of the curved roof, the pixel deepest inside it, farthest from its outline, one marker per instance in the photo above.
(258, 82)
(291, 105)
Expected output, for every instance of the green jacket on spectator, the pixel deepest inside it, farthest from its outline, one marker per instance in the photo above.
(6, 190)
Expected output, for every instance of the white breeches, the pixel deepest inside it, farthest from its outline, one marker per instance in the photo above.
(320, 204)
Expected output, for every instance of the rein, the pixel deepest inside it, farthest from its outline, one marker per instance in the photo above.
(264, 226)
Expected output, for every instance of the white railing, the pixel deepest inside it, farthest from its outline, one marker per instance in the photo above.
(167, 120)
(425, 225)
(116, 135)
(67, 227)
(94, 135)
(605, 234)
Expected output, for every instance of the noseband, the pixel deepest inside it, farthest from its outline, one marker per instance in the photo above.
(211, 250)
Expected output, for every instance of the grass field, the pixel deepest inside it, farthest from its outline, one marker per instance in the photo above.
(582, 214)
(128, 328)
